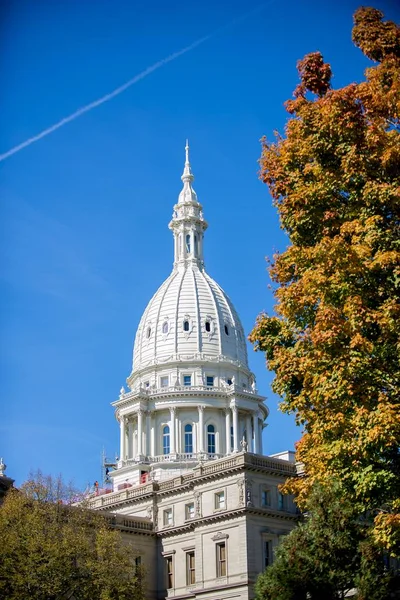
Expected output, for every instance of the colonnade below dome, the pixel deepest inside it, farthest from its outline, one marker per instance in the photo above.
(188, 434)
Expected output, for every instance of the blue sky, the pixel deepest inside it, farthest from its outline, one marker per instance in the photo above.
(84, 211)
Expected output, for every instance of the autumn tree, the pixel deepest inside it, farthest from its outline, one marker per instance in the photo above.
(52, 550)
(334, 341)
(328, 554)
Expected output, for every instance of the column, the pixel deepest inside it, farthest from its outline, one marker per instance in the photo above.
(178, 434)
(201, 428)
(256, 430)
(248, 432)
(129, 448)
(235, 428)
(140, 432)
(148, 420)
(172, 430)
(122, 438)
(152, 436)
(228, 430)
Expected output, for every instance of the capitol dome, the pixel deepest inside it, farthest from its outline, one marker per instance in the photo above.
(189, 316)
(192, 396)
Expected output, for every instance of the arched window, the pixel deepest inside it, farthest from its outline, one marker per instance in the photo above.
(196, 248)
(226, 329)
(232, 439)
(188, 439)
(211, 439)
(148, 332)
(165, 435)
(208, 326)
(165, 327)
(185, 325)
(188, 243)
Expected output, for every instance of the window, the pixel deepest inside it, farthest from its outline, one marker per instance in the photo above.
(211, 439)
(266, 497)
(169, 571)
(190, 568)
(147, 384)
(196, 248)
(188, 244)
(138, 561)
(208, 326)
(267, 553)
(189, 510)
(232, 439)
(186, 325)
(168, 516)
(220, 500)
(244, 386)
(148, 332)
(164, 381)
(229, 381)
(210, 381)
(166, 445)
(281, 501)
(187, 380)
(188, 439)
(165, 327)
(226, 329)
(221, 559)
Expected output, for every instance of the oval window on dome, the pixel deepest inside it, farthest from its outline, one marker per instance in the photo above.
(208, 326)
(148, 332)
(165, 327)
(186, 325)
(226, 328)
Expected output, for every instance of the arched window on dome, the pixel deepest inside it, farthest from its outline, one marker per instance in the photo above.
(148, 332)
(188, 439)
(165, 440)
(165, 327)
(186, 325)
(188, 243)
(226, 329)
(208, 326)
(211, 439)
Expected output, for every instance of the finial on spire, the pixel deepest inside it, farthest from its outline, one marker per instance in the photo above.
(187, 151)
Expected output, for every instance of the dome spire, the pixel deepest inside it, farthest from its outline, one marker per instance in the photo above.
(187, 222)
(187, 175)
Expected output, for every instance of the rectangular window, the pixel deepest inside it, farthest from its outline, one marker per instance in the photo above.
(190, 568)
(281, 501)
(266, 497)
(187, 380)
(164, 381)
(210, 381)
(168, 516)
(221, 559)
(169, 570)
(267, 554)
(220, 500)
(189, 510)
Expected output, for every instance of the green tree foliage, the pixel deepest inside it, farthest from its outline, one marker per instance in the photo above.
(50, 550)
(334, 343)
(326, 556)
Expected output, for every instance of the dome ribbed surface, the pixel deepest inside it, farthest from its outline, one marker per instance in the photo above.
(188, 315)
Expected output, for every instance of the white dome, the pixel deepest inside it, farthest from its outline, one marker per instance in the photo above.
(192, 396)
(188, 316)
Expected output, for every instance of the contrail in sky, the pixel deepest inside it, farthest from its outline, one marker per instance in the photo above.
(84, 109)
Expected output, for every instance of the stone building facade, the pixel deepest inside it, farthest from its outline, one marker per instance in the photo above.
(191, 478)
